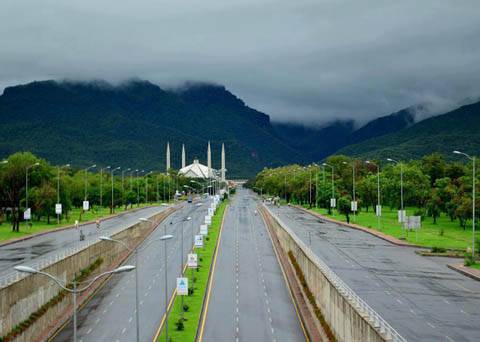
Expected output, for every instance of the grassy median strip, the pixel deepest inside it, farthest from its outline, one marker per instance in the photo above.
(444, 234)
(186, 329)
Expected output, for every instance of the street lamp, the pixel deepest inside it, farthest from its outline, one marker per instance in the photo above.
(86, 170)
(138, 187)
(75, 290)
(472, 158)
(26, 191)
(378, 209)
(123, 186)
(146, 186)
(101, 185)
(113, 170)
(135, 251)
(402, 211)
(58, 190)
(354, 202)
(332, 200)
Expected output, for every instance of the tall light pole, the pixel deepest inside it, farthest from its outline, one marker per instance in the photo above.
(86, 170)
(75, 290)
(186, 219)
(26, 190)
(378, 208)
(146, 186)
(135, 251)
(101, 185)
(354, 203)
(310, 185)
(58, 189)
(131, 179)
(472, 158)
(402, 214)
(113, 170)
(123, 186)
(138, 188)
(332, 200)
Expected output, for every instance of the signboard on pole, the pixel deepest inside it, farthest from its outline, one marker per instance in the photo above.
(198, 241)
(354, 205)
(86, 205)
(210, 211)
(414, 222)
(27, 214)
(208, 220)
(182, 286)
(204, 229)
(402, 214)
(192, 260)
(58, 209)
(378, 210)
(333, 202)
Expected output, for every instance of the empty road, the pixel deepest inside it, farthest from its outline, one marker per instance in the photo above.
(420, 297)
(31, 250)
(110, 315)
(250, 300)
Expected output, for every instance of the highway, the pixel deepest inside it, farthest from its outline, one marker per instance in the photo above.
(31, 250)
(250, 300)
(110, 315)
(419, 296)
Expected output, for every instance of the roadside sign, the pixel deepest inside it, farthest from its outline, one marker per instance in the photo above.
(210, 211)
(27, 214)
(378, 210)
(58, 208)
(192, 260)
(414, 222)
(86, 205)
(198, 241)
(333, 202)
(402, 215)
(182, 286)
(203, 229)
(354, 205)
(208, 220)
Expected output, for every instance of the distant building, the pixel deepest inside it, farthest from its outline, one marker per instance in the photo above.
(197, 170)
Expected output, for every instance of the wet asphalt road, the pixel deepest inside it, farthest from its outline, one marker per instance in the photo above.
(419, 296)
(250, 300)
(29, 251)
(110, 315)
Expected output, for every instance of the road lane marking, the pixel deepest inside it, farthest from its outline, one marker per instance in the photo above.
(130, 319)
(430, 324)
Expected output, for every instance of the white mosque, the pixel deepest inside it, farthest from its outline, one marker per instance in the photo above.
(197, 170)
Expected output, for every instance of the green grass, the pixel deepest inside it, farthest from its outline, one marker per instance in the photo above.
(454, 237)
(195, 301)
(40, 226)
(477, 266)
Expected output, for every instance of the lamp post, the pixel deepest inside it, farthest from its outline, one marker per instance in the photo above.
(181, 260)
(123, 180)
(332, 200)
(402, 214)
(138, 188)
(113, 170)
(378, 209)
(26, 190)
(86, 170)
(135, 251)
(146, 186)
(75, 290)
(58, 189)
(472, 158)
(101, 185)
(354, 203)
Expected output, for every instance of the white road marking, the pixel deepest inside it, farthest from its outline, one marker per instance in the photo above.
(89, 331)
(123, 330)
(130, 319)
(430, 324)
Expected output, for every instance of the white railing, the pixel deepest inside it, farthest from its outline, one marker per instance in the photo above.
(381, 325)
(44, 262)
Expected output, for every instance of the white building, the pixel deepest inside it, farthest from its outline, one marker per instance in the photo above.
(197, 170)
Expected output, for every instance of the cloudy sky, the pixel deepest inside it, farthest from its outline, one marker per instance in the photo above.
(303, 60)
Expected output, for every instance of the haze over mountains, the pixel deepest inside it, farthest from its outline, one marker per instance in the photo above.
(128, 125)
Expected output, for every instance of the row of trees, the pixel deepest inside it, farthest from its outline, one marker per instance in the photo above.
(72, 186)
(431, 184)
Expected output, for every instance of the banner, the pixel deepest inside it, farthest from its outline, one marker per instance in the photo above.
(333, 202)
(58, 209)
(27, 214)
(198, 241)
(182, 286)
(192, 260)
(86, 205)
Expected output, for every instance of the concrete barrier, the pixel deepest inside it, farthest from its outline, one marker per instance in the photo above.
(349, 317)
(24, 297)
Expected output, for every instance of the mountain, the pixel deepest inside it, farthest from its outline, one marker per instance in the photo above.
(456, 130)
(129, 125)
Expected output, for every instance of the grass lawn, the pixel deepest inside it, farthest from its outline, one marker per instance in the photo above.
(454, 237)
(40, 226)
(195, 300)
(477, 266)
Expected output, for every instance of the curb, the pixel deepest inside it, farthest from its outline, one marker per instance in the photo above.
(54, 230)
(384, 237)
(471, 273)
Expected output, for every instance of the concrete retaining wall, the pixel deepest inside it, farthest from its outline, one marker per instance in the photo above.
(346, 322)
(19, 300)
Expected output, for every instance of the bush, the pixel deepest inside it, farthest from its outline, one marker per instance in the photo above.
(179, 324)
(185, 306)
(469, 260)
(438, 249)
